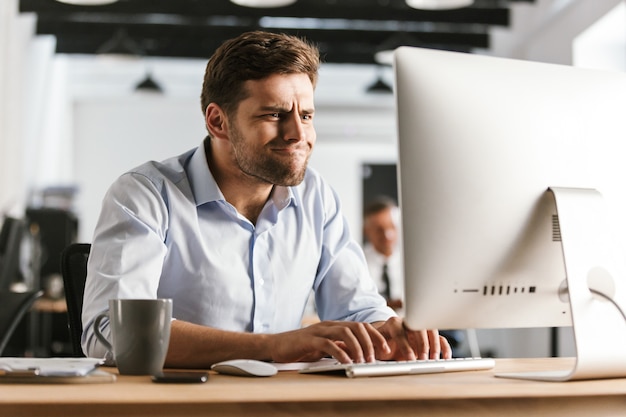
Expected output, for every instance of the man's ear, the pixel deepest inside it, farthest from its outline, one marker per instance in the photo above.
(216, 121)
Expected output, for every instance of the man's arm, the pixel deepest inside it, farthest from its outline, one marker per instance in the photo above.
(196, 346)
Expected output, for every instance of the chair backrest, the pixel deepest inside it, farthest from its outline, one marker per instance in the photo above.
(13, 306)
(11, 234)
(74, 271)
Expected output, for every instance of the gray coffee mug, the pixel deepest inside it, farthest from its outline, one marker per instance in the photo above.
(140, 334)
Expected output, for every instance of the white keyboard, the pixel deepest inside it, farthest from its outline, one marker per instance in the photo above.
(386, 368)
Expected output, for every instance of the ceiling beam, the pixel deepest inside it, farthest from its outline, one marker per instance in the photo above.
(341, 46)
(346, 31)
(395, 10)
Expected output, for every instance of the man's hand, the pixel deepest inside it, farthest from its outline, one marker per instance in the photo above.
(345, 341)
(407, 344)
(359, 342)
(197, 346)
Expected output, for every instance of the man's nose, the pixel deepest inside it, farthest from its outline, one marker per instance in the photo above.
(293, 128)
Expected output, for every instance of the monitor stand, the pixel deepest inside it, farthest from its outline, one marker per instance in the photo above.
(596, 287)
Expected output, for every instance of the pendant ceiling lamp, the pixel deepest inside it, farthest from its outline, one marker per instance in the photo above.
(263, 3)
(148, 85)
(88, 2)
(438, 4)
(120, 45)
(384, 52)
(379, 86)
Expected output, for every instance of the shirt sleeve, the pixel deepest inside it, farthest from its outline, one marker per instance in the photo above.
(127, 252)
(344, 289)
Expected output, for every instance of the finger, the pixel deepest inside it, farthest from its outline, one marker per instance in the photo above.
(345, 333)
(364, 334)
(378, 341)
(352, 341)
(401, 337)
(380, 338)
(337, 350)
(434, 344)
(421, 344)
(369, 342)
(446, 349)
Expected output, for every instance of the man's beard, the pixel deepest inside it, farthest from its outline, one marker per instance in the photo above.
(265, 167)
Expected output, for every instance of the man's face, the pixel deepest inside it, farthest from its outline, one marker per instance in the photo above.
(272, 134)
(381, 231)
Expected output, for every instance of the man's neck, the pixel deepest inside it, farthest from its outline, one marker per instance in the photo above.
(247, 194)
(248, 201)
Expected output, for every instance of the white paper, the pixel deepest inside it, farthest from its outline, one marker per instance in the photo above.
(50, 366)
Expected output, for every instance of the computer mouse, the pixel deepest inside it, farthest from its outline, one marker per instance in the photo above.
(245, 367)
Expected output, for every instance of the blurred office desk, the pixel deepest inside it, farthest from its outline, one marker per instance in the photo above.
(50, 305)
(289, 393)
(49, 335)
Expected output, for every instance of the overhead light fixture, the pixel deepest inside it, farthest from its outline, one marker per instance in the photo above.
(263, 3)
(88, 2)
(379, 86)
(120, 45)
(384, 51)
(148, 85)
(438, 4)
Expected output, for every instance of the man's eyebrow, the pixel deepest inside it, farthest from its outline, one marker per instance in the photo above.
(280, 109)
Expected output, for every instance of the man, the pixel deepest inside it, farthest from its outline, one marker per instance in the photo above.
(238, 231)
(384, 260)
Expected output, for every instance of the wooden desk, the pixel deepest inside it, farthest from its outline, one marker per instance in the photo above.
(290, 393)
(50, 305)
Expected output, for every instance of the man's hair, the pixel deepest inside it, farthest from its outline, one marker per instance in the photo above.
(378, 204)
(254, 56)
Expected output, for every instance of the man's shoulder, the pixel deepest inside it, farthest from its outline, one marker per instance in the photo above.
(169, 170)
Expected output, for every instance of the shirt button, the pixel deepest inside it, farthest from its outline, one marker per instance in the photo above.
(261, 282)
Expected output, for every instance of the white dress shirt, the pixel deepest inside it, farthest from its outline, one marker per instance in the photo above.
(166, 231)
(375, 262)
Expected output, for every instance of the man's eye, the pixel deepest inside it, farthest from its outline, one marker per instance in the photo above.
(307, 117)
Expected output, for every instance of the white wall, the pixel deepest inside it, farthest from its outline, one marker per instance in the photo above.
(115, 134)
(16, 32)
(603, 44)
(112, 135)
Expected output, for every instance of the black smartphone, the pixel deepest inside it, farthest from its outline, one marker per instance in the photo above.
(181, 377)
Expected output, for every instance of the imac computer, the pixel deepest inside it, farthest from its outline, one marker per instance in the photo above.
(512, 184)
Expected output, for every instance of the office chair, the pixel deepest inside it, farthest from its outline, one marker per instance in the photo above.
(13, 306)
(11, 234)
(74, 271)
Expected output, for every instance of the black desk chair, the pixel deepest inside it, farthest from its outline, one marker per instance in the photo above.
(13, 306)
(74, 271)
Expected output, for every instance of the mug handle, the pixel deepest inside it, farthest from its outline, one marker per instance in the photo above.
(100, 336)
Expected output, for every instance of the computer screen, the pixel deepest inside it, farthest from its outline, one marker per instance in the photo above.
(485, 144)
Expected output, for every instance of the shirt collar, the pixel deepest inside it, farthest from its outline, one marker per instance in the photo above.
(206, 190)
(283, 196)
(203, 183)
